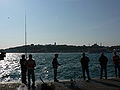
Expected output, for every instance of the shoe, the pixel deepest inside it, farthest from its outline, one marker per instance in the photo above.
(33, 84)
(105, 77)
(56, 80)
(89, 78)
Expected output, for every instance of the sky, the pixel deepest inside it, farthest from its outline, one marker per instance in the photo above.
(71, 22)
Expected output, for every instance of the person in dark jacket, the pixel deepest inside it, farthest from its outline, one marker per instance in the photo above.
(31, 67)
(116, 61)
(103, 63)
(23, 69)
(55, 66)
(84, 62)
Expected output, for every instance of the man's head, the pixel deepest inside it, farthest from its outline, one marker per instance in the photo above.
(83, 54)
(30, 56)
(115, 53)
(102, 54)
(23, 56)
(56, 55)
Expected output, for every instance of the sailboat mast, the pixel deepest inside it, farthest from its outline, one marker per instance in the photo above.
(25, 36)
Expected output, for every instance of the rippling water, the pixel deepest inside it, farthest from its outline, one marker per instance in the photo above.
(70, 68)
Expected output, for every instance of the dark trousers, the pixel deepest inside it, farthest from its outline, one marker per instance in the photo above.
(87, 71)
(55, 74)
(103, 68)
(117, 68)
(23, 77)
(31, 74)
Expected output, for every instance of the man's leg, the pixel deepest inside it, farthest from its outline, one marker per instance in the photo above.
(24, 77)
(101, 72)
(83, 70)
(115, 70)
(29, 78)
(119, 70)
(88, 75)
(33, 78)
(105, 71)
(55, 74)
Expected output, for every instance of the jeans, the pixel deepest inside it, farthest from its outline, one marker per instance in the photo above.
(103, 68)
(31, 73)
(55, 74)
(87, 71)
(23, 77)
(117, 68)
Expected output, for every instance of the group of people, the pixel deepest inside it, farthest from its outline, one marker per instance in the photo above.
(103, 60)
(29, 66)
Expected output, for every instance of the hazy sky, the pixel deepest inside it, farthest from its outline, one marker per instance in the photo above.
(73, 22)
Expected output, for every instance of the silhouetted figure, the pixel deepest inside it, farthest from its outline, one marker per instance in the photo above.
(2, 55)
(84, 62)
(55, 66)
(23, 69)
(103, 63)
(31, 66)
(116, 61)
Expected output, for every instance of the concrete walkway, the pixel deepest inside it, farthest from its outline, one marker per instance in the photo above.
(94, 84)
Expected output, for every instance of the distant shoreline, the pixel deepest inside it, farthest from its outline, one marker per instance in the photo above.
(61, 49)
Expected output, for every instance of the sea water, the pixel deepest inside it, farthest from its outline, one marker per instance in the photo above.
(70, 66)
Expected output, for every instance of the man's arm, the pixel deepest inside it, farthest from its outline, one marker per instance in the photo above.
(20, 62)
(107, 59)
(34, 63)
(88, 59)
(58, 63)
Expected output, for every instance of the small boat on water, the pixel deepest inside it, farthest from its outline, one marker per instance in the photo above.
(2, 55)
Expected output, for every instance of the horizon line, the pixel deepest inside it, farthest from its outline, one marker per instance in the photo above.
(58, 44)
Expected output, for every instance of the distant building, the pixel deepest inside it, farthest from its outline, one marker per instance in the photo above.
(55, 43)
(32, 45)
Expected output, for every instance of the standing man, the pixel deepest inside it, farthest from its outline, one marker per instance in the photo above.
(103, 63)
(55, 66)
(31, 67)
(116, 61)
(84, 62)
(23, 69)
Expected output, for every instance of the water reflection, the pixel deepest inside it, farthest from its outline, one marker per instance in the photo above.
(10, 68)
(71, 67)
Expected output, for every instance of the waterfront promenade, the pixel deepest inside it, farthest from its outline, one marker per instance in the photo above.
(94, 84)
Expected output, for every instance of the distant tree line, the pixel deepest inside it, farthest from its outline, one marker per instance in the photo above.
(60, 48)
